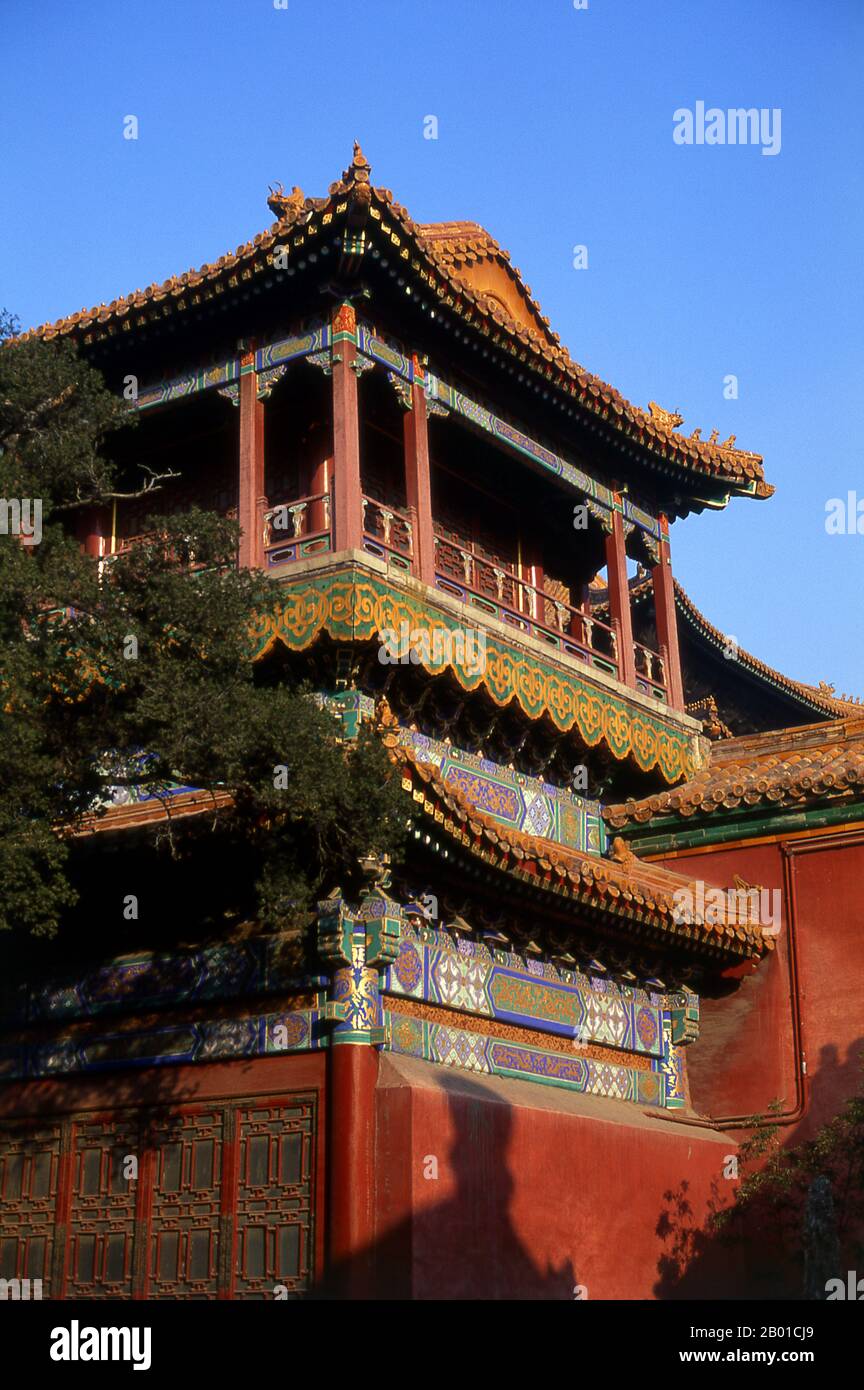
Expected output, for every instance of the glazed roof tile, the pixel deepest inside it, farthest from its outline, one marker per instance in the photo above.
(442, 250)
(622, 887)
(789, 767)
(457, 247)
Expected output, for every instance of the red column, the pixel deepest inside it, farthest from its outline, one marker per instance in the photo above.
(667, 623)
(94, 532)
(582, 600)
(619, 599)
(532, 571)
(347, 492)
(418, 485)
(352, 1076)
(319, 482)
(250, 491)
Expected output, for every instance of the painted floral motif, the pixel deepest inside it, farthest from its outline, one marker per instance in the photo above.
(408, 968)
(646, 1028)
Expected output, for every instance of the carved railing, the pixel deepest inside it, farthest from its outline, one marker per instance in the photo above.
(182, 554)
(295, 529)
(496, 590)
(388, 532)
(124, 545)
(650, 671)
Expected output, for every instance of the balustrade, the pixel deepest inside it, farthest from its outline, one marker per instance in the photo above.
(650, 671)
(388, 532)
(296, 529)
(495, 589)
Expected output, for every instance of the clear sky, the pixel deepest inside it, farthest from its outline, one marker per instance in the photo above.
(555, 129)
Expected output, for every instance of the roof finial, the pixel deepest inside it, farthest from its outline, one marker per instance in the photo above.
(359, 169)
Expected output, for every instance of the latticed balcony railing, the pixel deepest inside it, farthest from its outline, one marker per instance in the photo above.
(296, 529)
(124, 545)
(388, 532)
(650, 671)
(494, 588)
(301, 527)
(124, 540)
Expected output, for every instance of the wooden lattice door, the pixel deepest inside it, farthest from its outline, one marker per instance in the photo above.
(29, 1178)
(217, 1201)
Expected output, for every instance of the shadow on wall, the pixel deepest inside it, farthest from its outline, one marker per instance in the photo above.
(465, 1247)
(761, 1240)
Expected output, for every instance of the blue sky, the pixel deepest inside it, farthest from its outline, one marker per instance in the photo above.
(554, 130)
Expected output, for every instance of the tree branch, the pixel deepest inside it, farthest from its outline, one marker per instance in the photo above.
(153, 484)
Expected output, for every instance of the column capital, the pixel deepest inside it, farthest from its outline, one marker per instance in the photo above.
(345, 318)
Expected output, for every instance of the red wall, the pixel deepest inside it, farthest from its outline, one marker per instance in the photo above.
(537, 1191)
(831, 953)
(746, 1055)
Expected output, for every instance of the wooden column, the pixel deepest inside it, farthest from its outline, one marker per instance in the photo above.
(352, 1073)
(619, 599)
(666, 620)
(319, 482)
(94, 531)
(532, 573)
(347, 522)
(250, 491)
(418, 484)
(357, 945)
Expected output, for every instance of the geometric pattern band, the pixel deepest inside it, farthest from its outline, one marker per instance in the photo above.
(501, 985)
(513, 798)
(455, 1047)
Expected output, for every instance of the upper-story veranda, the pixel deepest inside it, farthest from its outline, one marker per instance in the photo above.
(445, 430)
(339, 439)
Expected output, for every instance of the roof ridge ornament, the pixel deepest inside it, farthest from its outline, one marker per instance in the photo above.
(284, 205)
(669, 419)
(356, 178)
(359, 170)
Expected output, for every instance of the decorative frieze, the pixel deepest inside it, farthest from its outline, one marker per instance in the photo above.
(513, 798)
(352, 605)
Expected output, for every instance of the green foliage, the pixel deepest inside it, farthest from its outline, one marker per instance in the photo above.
(764, 1237)
(151, 656)
(770, 1202)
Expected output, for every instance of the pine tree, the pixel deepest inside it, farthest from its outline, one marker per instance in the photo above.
(139, 671)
